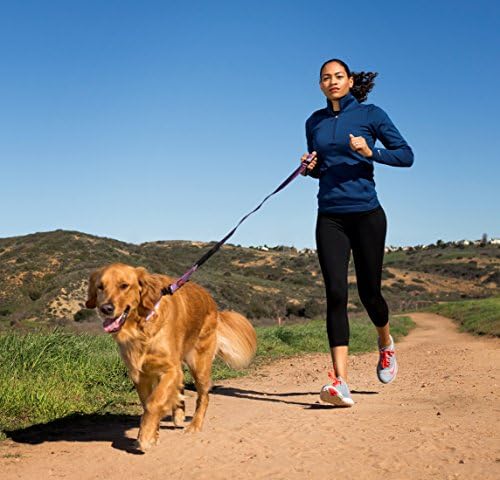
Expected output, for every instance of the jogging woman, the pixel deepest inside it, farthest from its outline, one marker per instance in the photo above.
(340, 142)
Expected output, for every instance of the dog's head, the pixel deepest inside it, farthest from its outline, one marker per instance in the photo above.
(118, 289)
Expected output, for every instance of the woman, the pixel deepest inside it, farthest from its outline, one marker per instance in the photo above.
(341, 139)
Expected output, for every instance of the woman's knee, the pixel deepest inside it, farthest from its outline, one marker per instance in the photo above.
(372, 300)
(336, 294)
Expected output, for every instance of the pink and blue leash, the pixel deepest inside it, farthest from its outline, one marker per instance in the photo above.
(173, 287)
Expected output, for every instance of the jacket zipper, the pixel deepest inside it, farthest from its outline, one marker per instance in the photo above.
(335, 117)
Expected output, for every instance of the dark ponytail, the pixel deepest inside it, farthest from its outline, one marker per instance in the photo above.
(363, 81)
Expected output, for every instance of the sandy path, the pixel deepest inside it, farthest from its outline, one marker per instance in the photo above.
(433, 422)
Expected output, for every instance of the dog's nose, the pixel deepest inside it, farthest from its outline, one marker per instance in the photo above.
(107, 309)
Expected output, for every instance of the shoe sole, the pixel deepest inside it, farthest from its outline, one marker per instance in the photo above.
(337, 400)
(393, 377)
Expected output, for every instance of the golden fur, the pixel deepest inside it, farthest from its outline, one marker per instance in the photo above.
(186, 328)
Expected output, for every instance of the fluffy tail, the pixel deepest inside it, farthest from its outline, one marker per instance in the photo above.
(236, 339)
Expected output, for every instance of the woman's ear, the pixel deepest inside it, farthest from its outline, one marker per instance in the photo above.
(149, 288)
(92, 290)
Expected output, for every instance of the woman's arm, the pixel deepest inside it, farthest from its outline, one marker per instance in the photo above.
(396, 152)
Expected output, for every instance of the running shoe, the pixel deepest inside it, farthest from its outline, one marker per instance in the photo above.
(387, 367)
(336, 392)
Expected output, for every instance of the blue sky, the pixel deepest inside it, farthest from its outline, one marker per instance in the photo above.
(160, 120)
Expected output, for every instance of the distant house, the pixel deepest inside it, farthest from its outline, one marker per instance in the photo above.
(495, 241)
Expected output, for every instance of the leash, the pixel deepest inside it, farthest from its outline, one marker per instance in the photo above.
(173, 287)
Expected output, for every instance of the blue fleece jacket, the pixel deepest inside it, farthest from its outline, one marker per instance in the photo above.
(346, 181)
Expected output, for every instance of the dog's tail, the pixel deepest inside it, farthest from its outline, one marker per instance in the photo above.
(236, 339)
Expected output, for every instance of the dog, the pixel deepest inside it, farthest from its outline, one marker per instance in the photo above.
(186, 327)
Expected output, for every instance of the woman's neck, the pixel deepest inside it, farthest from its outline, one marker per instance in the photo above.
(336, 105)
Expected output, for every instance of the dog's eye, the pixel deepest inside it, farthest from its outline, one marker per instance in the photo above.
(124, 286)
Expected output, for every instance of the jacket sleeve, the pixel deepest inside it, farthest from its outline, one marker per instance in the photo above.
(315, 171)
(397, 152)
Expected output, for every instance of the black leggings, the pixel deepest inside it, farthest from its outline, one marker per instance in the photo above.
(336, 235)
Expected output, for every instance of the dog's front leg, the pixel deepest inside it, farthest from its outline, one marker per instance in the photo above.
(144, 386)
(163, 398)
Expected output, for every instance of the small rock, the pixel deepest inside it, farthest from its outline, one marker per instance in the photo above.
(461, 461)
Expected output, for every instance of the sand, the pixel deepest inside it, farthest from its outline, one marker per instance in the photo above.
(438, 420)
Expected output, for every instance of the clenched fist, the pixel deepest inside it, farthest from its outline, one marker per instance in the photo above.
(358, 144)
(311, 164)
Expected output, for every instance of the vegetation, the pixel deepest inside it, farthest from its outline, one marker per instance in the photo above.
(475, 316)
(48, 376)
(44, 277)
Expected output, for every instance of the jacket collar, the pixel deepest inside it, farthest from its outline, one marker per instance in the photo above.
(346, 102)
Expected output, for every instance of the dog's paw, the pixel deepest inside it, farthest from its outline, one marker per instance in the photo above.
(145, 445)
(193, 428)
(179, 417)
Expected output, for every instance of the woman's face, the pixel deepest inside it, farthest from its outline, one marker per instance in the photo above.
(334, 82)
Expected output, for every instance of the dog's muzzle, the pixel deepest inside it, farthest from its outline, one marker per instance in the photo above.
(112, 325)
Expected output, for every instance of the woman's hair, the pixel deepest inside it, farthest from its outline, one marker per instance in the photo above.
(363, 81)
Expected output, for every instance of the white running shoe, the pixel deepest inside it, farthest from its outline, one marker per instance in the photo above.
(387, 367)
(336, 392)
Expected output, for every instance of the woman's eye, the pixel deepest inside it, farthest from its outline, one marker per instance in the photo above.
(100, 287)
(124, 286)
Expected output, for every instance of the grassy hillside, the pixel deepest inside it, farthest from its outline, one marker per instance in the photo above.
(474, 316)
(44, 277)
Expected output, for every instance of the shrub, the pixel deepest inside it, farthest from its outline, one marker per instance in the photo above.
(85, 315)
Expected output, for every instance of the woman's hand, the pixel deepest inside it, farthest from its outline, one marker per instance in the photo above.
(311, 164)
(358, 144)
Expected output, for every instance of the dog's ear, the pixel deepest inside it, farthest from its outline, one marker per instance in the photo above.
(150, 287)
(92, 290)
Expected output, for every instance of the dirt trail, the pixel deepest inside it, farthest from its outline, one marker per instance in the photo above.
(439, 419)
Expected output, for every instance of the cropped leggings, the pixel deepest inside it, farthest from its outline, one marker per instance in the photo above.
(364, 234)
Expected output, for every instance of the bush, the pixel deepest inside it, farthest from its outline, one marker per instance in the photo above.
(296, 309)
(85, 315)
(313, 308)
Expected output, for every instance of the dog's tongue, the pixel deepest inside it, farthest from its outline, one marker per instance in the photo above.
(111, 325)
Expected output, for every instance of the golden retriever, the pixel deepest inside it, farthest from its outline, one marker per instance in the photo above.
(187, 327)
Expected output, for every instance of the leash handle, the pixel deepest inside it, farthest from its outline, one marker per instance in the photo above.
(305, 163)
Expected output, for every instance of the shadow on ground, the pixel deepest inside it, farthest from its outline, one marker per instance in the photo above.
(277, 397)
(79, 427)
(110, 427)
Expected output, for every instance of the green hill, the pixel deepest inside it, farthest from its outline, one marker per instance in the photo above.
(44, 277)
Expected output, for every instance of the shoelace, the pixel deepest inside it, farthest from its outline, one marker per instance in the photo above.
(334, 379)
(385, 357)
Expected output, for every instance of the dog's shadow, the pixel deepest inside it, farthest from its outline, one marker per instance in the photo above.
(79, 427)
